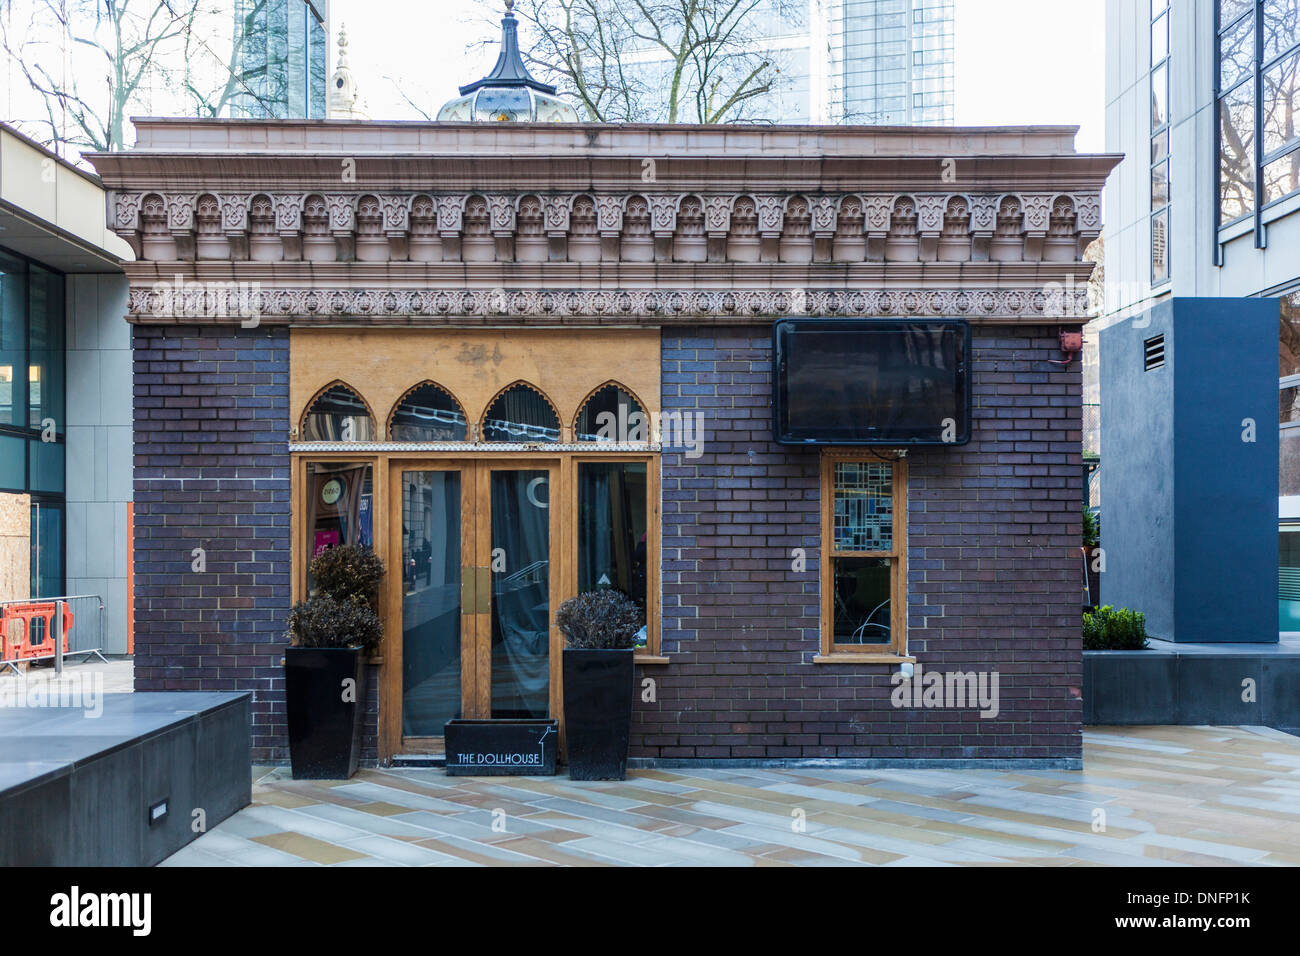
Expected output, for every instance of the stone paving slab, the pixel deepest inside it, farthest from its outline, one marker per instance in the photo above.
(1147, 796)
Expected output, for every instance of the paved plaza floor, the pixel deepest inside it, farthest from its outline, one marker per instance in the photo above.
(1157, 796)
(79, 674)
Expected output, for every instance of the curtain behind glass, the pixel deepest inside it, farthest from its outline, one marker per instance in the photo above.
(521, 609)
(520, 414)
(612, 546)
(431, 611)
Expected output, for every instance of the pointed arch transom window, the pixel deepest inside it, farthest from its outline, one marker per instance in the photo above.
(521, 414)
(338, 414)
(428, 413)
(612, 413)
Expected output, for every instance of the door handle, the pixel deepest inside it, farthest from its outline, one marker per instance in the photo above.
(467, 589)
(482, 590)
(475, 589)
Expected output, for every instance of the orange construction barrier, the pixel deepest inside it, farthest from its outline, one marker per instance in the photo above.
(16, 628)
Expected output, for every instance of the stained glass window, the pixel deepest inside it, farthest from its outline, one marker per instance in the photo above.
(864, 506)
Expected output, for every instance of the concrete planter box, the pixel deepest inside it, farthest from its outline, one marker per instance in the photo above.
(1162, 686)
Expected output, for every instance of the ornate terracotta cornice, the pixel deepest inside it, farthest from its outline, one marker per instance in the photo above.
(650, 225)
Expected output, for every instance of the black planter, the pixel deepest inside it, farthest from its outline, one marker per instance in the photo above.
(598, 688)
(324, 729)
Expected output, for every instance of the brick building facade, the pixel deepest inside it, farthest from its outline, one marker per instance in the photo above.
(993, 571)
(470, 266)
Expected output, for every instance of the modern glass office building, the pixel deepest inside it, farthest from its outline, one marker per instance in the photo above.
(895, 62)
(1202, 208)
(863, 62)
(65, 395)
(282, 53)
(32, 422)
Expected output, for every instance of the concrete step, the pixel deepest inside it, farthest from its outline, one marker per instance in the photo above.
(419, 761)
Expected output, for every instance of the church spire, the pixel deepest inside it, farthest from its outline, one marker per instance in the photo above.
(343, 101)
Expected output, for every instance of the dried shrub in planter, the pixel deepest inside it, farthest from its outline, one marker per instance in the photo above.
(603, 620)
(349, 571)
(325, 621)
(343, 610)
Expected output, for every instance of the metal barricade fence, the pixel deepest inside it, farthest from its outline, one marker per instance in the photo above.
(28, 629)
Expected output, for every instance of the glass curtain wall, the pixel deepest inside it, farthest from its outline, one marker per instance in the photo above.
(281, 47)
(32, 323)
(1258, 84)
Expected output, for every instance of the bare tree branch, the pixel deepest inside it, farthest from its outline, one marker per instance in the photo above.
(657, 60)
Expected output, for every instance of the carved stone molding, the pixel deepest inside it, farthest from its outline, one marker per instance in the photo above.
(288, 211)
(180, 211)
(717, 214)
(910, 222)
(234, 211)
(203, 303)
(771, 213)
(396, 209)
(663, 212)
(451, 212)
(1037, 206)
(609, 214)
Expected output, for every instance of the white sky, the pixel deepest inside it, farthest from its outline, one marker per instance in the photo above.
(1019, 62)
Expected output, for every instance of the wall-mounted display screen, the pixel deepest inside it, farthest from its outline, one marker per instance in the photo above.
(871, 381)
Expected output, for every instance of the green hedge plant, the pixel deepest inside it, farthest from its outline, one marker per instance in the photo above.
(1107, 629)
(1091, 530)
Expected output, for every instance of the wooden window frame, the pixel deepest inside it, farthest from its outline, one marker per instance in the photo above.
(651, 653)
(896, 650)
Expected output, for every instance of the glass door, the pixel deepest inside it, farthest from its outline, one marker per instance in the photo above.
(519, 536)
(477, 592)
(436, 522)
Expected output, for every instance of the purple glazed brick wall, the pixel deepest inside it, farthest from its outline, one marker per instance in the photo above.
(994, 571)
(212, 471)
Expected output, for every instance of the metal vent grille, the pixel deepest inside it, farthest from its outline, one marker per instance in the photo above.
(1153, 352)
(1288, 584)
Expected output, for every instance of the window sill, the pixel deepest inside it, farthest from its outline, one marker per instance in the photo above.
(1241, 227)
(881, 658)
(651, 659)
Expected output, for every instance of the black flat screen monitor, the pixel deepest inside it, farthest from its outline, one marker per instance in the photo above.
(871, 381)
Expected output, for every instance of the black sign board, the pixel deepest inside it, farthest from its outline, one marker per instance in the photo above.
(515, 748)
(871, 381)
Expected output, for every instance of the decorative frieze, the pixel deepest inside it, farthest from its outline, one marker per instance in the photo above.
(202, 303)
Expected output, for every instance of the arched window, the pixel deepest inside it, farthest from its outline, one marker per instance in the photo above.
(611, 413)
(521, 414)
(338, 414)
(428, 412)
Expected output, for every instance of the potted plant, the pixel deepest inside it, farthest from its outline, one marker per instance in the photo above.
(324, 670)
(601, 629)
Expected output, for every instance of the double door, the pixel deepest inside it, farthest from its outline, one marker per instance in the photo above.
(476, 540)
